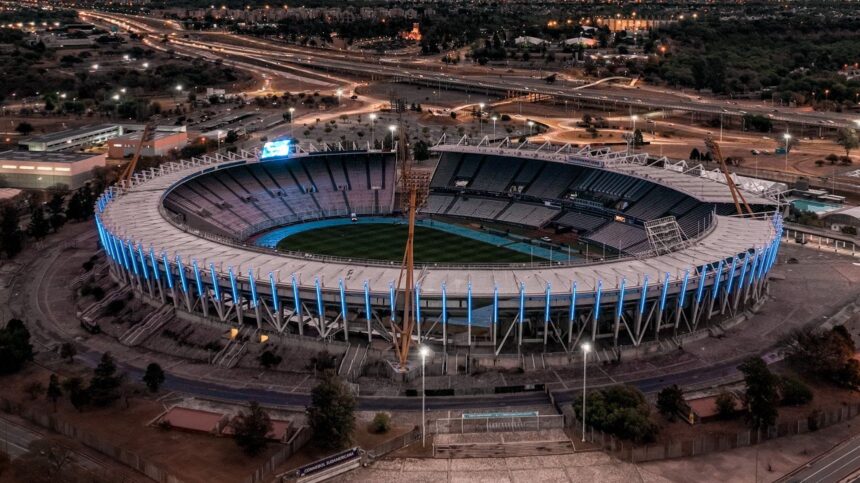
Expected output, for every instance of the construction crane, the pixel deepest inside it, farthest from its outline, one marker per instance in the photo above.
(414, 187)
(737, 196)
(145, 136)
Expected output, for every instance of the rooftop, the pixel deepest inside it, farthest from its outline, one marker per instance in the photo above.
(46, 156)
(59, 135)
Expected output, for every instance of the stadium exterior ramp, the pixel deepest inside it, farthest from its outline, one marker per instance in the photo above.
(489, 309)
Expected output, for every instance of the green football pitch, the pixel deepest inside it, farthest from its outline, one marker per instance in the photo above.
(387, 242)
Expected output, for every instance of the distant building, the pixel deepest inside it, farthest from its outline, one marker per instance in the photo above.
(42, 169)
(531, 41)
(160, 144)
(72, 138)
(584, 41)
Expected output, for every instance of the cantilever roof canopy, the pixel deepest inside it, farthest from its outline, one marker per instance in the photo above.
(136, 216)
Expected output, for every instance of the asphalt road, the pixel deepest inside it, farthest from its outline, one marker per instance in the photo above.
(837, 465)
(14, 438)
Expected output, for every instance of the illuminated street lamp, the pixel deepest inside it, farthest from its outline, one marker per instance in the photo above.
(146, 65)
(291, 110)
(787, 138)
(424, 351)
(494, 118)
(95, 67)
(339, 93)
(586, 348)
(392, 128)
(372, 138)
(530, 124)
(481, 118)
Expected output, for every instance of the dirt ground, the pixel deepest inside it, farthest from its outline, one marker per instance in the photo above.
(191, 457)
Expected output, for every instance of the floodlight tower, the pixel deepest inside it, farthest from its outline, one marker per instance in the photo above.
(414, 187)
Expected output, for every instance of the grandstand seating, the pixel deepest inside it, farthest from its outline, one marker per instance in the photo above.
(232, 200)
(581, 221)
(620, 236)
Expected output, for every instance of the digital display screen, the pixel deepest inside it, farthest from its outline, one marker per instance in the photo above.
(276, 149)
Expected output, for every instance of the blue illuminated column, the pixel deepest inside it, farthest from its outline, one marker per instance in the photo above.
(276, 301)
(703, 275)
(572, 315)
(522, 314)
(683, 293)
(128, 247)
(444, 317)
(182, 280)
(469, 311)
(392, 299)
(199, 282)
(718, 276)
(320, 308)
(418, 309)
(143, 263)
(643, 296)
(237, 302)
(731, 278)
(154, 263)
(253, 283)
(619, 310)
(215, 287)
(367, 312)
(495, 313)
(168, 275)
(297, 304)
(546, 314)
(664, 292)
(343, 309)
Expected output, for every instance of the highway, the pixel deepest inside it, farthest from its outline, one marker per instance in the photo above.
(296, 59)
(840, 464)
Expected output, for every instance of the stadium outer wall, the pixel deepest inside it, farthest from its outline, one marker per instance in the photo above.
(510, 318)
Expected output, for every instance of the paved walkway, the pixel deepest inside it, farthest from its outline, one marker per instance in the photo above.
(575, 468)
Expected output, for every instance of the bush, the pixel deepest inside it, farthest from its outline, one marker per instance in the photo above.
(670, 401)
(269, 360)
(794, 392)
(621, 411)
(381, 423)
(725, 404)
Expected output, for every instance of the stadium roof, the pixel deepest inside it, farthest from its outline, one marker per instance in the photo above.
(46, 156)
(136, 216)
(699, 187)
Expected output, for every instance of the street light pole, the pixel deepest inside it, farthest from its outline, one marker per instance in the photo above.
(481, 118)
(586, 347)
(494, 118)
(787, 137)
(372, 139)
(425, 351)
(292, 134)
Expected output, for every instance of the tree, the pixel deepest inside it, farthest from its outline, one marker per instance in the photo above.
(46, 461)
(231, 137)
(794, 392)
(68, 351)
(381, 423)
(24, 128)
(39, 225)
(826, 354)
(619, 410)
(848, 139)
(153, 377)
(34, 389)
(332, 412)
(637, 138)
(670, 401)
(11, 237)
(269, 360)
(695, 155)
(15, 347)
(762, 396)
(54, 391)
(250, 429)
(78, 394)
(421, 151)
(105, 383)
(725, 405)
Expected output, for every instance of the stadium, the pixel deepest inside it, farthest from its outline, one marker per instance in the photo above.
(518, 248)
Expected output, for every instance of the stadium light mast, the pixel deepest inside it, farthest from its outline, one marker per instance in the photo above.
(415, 186)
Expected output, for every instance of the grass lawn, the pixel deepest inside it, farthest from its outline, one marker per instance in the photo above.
(387, 242)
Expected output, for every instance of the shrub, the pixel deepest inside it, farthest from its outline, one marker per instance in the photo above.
(670, 401)
(269, 360)
(381, 423)
(725, 404)
(794, 392)
(621, 411)
(114, 307)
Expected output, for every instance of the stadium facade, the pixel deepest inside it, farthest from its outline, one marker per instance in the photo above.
(181, 235)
